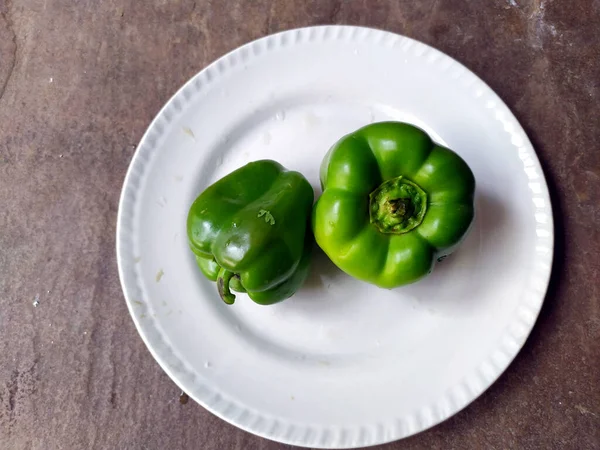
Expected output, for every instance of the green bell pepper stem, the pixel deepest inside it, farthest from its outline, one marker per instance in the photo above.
(223, 280)
(397, 206)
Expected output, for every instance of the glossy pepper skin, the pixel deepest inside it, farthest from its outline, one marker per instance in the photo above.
(250, 232)
(393, 203)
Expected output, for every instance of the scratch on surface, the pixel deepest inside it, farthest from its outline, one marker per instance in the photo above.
(13, 390)
(583, 410)
(538, 27)
(432, 12)
(335, 11)
(267, 29)
(205, 30)
(113, 374)
(20, 384)
(13, 59)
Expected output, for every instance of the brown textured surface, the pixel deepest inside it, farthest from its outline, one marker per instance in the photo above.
(79, 83)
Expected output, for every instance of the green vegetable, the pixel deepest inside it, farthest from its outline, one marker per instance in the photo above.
(250, 232)
(393, 202)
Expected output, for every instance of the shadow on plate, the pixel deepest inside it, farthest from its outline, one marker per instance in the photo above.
(323, 273)
(456, 282)
(486, 241)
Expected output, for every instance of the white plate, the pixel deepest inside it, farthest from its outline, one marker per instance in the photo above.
(342, 363)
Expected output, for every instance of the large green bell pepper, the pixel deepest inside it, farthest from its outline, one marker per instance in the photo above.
(393, 203)
(250, 232)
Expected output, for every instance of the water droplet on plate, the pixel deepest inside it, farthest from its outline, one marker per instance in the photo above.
(207, 365)
(310, 120)
(280, 115)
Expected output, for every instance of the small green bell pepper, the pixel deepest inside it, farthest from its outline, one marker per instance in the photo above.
(250, 232)
(393, 203)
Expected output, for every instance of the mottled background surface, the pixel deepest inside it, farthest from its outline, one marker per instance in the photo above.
(79, 83)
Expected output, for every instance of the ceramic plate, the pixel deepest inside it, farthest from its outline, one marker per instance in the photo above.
(342, 363)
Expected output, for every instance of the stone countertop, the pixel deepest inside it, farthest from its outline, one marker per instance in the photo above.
(79, 83)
